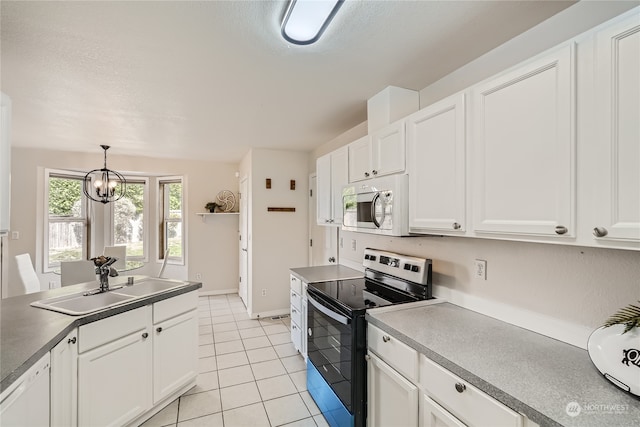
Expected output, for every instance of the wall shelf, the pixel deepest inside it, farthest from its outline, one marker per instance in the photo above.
(204, 215)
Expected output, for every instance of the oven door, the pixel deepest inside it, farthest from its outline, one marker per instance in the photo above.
(330, 344)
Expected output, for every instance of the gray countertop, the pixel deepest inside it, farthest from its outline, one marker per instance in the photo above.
(528, 372)
(27, 333)
(325, 273)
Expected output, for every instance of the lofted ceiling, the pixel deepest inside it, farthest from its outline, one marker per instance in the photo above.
(211, 79)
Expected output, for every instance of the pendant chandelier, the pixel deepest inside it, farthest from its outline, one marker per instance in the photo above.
(108, 185)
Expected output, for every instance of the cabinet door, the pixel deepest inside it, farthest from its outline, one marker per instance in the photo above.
(64, 381)
(388, 148)
(434, 415)
(524, 149)
(436, 166)
(618, 114)
(175, 354)
(360, 160)
(339, 178)
(5, 161)
(392, 399)
(323, 189)
(114, 381)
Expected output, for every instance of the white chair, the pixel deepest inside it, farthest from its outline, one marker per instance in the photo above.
(164, 263)
(30, 281)
(119, 252)
(74, 272)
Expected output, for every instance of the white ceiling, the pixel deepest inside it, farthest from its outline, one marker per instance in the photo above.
(210, 79)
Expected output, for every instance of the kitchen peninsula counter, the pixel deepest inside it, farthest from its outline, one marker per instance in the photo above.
(27, 333)
(532, 374)
(325, 273)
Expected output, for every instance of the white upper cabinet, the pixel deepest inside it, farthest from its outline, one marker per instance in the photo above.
(381, 153)
(436, 167)
(523, 152)
(617, 201)
(331, 174)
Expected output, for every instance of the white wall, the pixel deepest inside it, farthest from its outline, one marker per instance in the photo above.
(561, 291)
(211, 246)
(277, 240)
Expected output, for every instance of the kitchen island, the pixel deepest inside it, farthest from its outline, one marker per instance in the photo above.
(552, 383)
(146, 326)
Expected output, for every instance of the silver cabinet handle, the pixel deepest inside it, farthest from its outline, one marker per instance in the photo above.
(366, 174)
(460, 387)
(456, 226)
(72, 340)
(293, 310)
(386, 338)
(561, 229)
(600, 232)
(309, 332)
(375, 172)
(367, 357)
(145, 335)
(159, 329)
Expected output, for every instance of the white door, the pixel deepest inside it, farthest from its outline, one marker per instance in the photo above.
(392, 399)
(524, 149)
(64, 381)
(618, 116)
(175, 354)
(323, 241)
(436, 160)
(244, 242)
(102, 372)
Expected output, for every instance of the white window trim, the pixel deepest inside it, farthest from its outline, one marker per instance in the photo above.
(161, 209)
(45, 218)
(146, 216)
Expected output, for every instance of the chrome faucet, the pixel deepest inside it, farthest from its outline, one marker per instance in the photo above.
(104, 271)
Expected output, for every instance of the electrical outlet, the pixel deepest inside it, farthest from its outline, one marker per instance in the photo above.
(52, 285)
(198, 276)
(480, 269)
(15, 235)
(264, 292)
(341, 243)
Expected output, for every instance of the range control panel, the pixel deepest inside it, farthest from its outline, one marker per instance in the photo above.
(406, 267)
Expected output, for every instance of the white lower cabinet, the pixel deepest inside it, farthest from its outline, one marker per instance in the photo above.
(64, 387)
(298, 315)
(392, 400)
(115, 376)
(434, 415)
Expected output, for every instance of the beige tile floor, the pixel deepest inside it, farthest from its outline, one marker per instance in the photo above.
(250, 374)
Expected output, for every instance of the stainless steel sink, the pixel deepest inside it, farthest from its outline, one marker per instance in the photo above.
(80, 303)
(149, 287)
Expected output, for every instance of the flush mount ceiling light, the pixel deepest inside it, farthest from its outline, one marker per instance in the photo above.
(108, 186)
(305, 20)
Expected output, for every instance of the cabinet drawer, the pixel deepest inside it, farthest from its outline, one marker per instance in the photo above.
(296, 300)
(106, 330)
(296, 315)
(296, 284)
(470, 405)
(397, 354)
(168, 308)
(296, 336)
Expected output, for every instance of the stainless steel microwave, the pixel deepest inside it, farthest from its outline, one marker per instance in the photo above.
(377, 205)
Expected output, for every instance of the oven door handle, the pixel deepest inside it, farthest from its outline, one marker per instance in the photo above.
(328, 312)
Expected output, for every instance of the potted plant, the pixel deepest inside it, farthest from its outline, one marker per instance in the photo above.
(211, 206)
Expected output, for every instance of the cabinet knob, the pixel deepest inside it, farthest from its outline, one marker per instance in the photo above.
(367, 357)
(375, 172)
(72, 340)
(561, 229)
(456, 226)
(460, 387)
(145, 335)
(600, 232)
(293, 310)
(366, 174)
(309, 332)
(386, 338)
(159, 329)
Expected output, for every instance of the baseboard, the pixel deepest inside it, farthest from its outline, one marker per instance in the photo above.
(218, 292)
(273, 313)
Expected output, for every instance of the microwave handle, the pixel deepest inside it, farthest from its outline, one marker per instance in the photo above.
(373, 210)
(328, 312)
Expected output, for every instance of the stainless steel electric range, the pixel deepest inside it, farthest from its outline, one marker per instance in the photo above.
(336, 335)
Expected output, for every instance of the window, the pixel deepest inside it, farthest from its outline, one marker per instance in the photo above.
(128, 225)
(171, 219)
(67, 224)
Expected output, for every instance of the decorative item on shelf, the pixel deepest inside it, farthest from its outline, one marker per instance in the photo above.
(226, 200)
(108, 185)
(614, 349)
(211, 207)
